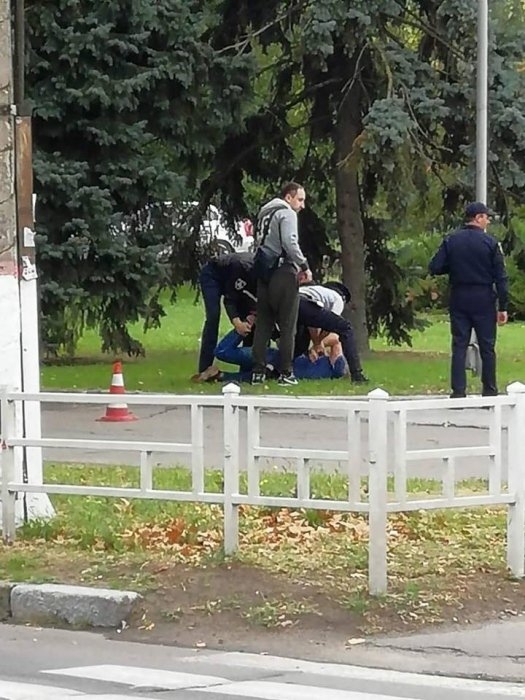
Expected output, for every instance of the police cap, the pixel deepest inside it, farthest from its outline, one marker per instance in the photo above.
(474, 208)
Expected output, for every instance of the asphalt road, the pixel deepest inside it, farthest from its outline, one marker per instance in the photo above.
(38, 664)
(430, 429)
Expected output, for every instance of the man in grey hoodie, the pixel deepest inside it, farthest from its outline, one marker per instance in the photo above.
(280, 266)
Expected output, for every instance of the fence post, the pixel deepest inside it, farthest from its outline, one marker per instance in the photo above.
(231, 467)
(516, 482)
(7, 466)
(377, 491)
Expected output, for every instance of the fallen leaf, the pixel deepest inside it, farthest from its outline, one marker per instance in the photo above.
(354, 641)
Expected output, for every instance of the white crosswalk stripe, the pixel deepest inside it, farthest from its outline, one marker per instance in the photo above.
(141, 677)
(10, 690)
(267, 690)
(300, 680)
(27, 691)
(280, 664)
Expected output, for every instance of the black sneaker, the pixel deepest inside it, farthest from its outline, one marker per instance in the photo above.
(359, 378)
(287, 379)
(258, 378)
(271, 372)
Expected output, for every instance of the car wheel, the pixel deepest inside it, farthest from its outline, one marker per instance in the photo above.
(224, 248)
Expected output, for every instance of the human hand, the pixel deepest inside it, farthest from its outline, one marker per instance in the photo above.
(315, 352)
(304, 276)
(242, 327)
(503, 317)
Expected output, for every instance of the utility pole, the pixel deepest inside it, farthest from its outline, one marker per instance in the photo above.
(19, 344)
(482, 101)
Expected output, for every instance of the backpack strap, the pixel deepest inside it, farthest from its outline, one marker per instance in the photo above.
(264, 224)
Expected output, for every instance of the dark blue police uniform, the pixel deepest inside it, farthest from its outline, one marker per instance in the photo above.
(474, 263)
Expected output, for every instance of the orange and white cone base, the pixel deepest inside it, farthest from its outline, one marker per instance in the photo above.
(117, 412)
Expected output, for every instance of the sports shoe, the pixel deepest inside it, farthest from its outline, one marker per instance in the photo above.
(359, 378)
(271, 372)
(258, 378)
(287, 379)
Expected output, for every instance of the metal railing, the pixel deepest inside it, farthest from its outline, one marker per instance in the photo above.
(387, 454)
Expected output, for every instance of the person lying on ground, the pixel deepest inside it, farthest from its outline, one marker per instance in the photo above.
(330, 365)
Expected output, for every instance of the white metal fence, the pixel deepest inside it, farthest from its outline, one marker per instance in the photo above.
(385, 450)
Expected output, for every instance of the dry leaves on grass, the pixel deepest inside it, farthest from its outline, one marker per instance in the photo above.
(329, 548)
(270, 529)
(286, 525)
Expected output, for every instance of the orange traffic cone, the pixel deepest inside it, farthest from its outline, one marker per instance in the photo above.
(117, 412)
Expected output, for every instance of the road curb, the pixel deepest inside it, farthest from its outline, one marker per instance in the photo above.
(57, 604)
(5, 600)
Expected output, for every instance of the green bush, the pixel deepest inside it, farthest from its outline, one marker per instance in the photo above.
(413, 255)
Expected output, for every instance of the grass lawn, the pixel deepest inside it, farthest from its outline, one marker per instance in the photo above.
(172, 350)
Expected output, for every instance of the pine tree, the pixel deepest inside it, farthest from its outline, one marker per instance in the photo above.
(130, 99)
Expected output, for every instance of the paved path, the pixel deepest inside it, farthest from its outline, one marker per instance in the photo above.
(430, 429)
(59, 665)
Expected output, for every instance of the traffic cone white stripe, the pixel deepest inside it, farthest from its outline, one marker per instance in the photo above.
(117, 412)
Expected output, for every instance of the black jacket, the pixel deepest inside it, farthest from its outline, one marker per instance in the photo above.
(236, 278)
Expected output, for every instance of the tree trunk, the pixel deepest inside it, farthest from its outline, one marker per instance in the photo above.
(348, 204)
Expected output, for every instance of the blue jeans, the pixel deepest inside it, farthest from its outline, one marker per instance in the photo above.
(229, 350)
(211, 289)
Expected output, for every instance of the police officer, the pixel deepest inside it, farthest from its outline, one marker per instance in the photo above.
(230, 277)
(474, 263)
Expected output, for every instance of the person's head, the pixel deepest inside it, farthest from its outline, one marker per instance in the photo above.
(293, 193)
(477, 214)
(341, 289)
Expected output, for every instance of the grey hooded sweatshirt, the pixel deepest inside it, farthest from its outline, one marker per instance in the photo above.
(282, 238)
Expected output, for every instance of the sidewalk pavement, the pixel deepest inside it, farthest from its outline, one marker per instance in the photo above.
(494, 650)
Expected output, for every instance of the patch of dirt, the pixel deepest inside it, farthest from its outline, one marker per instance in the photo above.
(222, 607)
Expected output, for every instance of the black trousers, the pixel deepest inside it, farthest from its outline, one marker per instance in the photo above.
(473, 308)
(277, 303)
(313, 316)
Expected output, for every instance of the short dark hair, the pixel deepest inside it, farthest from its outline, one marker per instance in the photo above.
(290, 188)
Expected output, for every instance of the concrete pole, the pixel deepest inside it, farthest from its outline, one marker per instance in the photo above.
(19, 364)
(482, 102)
